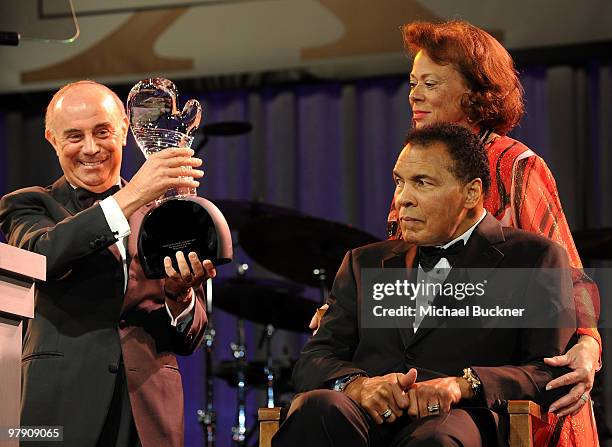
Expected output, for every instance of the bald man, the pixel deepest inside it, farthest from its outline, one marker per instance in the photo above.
(99, 355)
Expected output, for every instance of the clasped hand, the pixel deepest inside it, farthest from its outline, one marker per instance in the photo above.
(399, 393)
(381, 393)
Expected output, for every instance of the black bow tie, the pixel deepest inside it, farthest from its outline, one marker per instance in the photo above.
(430, 256)
(84, 198)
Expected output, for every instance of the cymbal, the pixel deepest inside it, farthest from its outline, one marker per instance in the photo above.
(255, 374)
(266, 302)
(240, 213)
(293, 246)
(594, 244)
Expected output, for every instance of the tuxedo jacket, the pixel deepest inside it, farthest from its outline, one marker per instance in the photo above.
(509, 362)
(86, 326)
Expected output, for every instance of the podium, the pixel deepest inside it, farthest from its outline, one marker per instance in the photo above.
(19, 269)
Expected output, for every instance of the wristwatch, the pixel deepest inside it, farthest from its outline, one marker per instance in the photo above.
(472, 379)
(341, 383)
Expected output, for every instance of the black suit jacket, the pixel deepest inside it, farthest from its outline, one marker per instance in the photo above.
(508, 361)
(85, 323)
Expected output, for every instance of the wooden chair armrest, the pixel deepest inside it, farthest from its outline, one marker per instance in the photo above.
(522, 414)
(527, 407)
(269, 421)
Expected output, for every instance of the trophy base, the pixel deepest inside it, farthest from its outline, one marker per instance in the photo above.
(187, 224)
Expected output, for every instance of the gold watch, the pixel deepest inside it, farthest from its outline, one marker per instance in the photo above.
(473, 380)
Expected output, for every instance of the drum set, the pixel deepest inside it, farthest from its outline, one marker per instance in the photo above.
(305, 250)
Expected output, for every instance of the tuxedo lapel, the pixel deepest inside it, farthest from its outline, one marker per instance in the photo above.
(65, 195)
(474, 264)
(480, 251)
(402, 256)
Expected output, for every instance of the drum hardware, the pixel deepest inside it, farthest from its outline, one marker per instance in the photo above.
(266, 339)
(256, 376)
(239, 430)
(321, 275)
(208, 417)
(239, 352)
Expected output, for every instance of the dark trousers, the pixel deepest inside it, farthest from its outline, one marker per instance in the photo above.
(119, 429)
(329, 418)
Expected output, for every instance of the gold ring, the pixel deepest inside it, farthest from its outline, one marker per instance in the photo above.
(584, 398)
(387, 414)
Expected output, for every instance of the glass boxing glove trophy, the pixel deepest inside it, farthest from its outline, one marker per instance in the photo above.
(180, 220)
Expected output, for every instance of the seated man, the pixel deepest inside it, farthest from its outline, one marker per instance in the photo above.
(359, 383)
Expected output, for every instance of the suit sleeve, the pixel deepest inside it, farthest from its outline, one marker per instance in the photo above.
(186, 339)
(328, 354)
(32, 220)
(528, 381)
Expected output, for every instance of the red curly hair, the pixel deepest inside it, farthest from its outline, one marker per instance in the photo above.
(496, 95)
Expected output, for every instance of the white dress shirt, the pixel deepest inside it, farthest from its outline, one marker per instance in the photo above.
(439, 273)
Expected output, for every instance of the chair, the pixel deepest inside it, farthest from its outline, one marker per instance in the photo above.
(269, 421)
(523, 414)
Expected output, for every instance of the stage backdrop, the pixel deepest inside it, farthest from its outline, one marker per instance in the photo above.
(328, 149)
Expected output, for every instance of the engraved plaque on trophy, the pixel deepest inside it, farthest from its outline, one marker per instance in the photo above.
(179, 220)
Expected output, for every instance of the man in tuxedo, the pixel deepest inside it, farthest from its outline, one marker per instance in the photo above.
(358, 383)
(99, 355)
